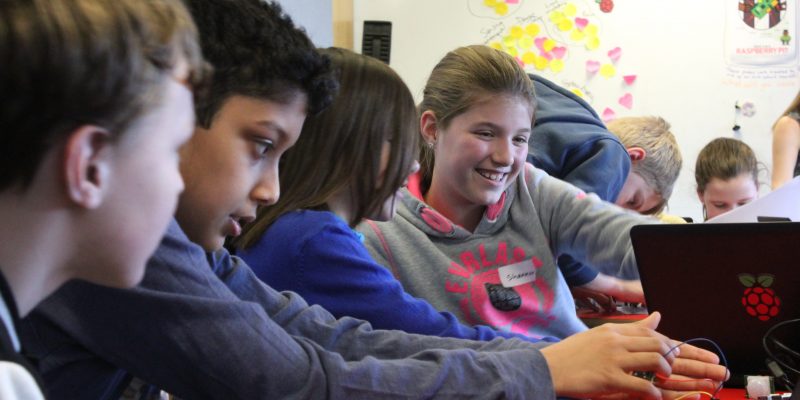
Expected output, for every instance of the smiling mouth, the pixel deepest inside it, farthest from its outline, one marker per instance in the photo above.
(492, 175)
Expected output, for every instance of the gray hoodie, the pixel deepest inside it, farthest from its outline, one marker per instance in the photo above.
(504, 274)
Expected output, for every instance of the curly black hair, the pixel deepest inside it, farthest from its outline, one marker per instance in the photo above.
(256, 50)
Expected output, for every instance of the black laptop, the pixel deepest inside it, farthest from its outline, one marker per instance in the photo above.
(726, 282)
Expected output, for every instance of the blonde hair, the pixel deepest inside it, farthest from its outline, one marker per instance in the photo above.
(464, 77)
(663, 160)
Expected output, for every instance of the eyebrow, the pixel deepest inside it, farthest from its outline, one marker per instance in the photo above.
(271, 125)
(497, 127)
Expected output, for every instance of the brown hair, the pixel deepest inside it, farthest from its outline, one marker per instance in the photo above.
(724, 158)
(464, 77)
(341, 147)
(67, 63)
(663, 160)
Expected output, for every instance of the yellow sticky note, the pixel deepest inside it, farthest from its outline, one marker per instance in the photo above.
(516, 31)
(529, 58)
(565, 25)
(607, 71)
(501, 9)
(525, 42)
(540, 63)
(532, 29)
(556, 17)
(577, 35)
(496, 45)
(548, 44)
(512, 50)
(490, 3)
(590, 30)
(592, 43)
(570, 10)
(509, 41)
(577, 92)
(557, 65)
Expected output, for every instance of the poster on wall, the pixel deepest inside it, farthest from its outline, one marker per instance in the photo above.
(563, 41)
(761, 43)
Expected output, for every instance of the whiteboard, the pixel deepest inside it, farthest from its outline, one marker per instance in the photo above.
(682, 54)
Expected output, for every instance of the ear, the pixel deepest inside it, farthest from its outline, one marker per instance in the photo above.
(428, 126)
(636, 153)
(87, 165)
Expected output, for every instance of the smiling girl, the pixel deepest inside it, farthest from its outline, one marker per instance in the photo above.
(478, 230)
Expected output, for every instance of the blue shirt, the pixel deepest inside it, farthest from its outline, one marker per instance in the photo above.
(317, 255)
(214, 331)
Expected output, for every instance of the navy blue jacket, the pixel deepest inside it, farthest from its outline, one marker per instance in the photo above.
(571, 143)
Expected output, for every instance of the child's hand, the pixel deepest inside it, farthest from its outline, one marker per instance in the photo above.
(694, 369)
(600, 361)
(624, 290)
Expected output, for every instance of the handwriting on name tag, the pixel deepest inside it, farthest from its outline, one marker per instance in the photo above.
(517, 274)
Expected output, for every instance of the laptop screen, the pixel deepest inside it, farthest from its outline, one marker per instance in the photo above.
(726, 282)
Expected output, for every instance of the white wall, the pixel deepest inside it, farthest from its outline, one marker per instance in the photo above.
(315, 16)
(677, 49)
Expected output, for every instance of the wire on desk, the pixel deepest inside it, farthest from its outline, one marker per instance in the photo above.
(685, 395)
(721, 356)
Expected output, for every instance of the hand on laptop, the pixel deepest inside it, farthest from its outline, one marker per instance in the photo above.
(600, 361)
(694, 369)
(625, 290)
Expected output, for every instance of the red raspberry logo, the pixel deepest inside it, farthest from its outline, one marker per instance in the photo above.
(758, 299)
(606, 5)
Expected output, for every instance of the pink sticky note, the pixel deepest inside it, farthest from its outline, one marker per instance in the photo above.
(512, 1)
(626, 101)
(592, 66)
(548, 56)
(559, 52)
(539, 42)
(608, 115)
(581, 23)
(629, 79)
(614, 54)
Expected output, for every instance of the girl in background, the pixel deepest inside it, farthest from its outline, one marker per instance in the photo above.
(726, 173)
(786, 145)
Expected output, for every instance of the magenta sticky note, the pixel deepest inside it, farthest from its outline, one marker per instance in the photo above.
(626, 101)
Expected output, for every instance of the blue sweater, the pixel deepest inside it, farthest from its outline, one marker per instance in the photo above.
(315, 254)
(202, 326)
(570, 142)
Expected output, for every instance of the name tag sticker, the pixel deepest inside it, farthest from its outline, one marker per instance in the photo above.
(517, 274)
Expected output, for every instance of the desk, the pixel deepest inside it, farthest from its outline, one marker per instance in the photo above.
(594, 319)
(730, 394)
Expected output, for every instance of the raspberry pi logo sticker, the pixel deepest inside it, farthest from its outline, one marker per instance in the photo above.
(758, 299)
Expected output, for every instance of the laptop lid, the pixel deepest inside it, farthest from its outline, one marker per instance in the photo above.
(726, 282)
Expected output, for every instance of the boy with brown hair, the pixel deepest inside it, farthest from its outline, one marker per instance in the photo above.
(94, 104)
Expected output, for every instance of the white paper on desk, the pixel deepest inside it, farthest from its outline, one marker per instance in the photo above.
(781, 203)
